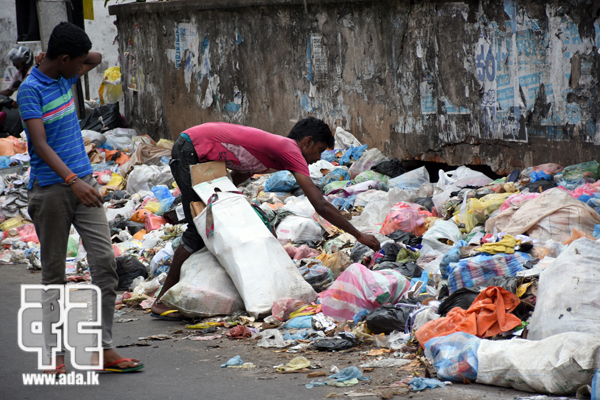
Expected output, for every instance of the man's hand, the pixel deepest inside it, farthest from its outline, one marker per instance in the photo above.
(87, 194)
(369, 240)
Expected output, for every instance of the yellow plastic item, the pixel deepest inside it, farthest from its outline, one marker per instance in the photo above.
(115, 180)
(479, 210)
(204, 325)
(140, 234)
(505, 245)
(12, 223)
(111, 90)
(165, 144)
(152, 206)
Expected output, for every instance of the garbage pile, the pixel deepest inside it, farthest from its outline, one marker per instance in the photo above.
(472, 271)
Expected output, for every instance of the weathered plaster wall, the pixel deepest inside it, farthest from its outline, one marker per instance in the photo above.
(8, 38)
(507, 84)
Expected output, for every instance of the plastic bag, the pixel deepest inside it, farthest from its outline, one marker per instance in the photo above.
(353, 153)
(404, 216)
(265, 276)
(111, 90)
(442, 236)
(163, 194)
(337, 174)
(316, 170)
(344, 139)
(120, 138)
(96, 137)
(129, 268)
(452, 181)
(411, 180)
(584, 170)
(378, 207)
(479, 210)
(103, 118)
(282, 308)
(454, 357)
(282, 181)
(565, 290)
(204, 289)
(299, 229)
(391, 168)
(145, 177)
(359, 288)
(371, 176)
(366, 161)
(336, 186)
(559, 364)
(388, 318)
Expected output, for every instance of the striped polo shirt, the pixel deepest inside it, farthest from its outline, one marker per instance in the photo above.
(52, 101)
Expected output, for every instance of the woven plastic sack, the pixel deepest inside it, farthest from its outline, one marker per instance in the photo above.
(204, 288)
(454, 357)
(567, 292)
(145, 177)
(559, 364)
(359, 288)
(258, 265)
(344, 139)
(366, 161)
(299, 229)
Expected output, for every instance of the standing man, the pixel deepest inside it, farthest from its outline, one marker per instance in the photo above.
(62, 190)
(247, 151)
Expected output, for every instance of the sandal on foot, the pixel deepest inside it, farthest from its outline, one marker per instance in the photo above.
(164, 316)
(113, 367)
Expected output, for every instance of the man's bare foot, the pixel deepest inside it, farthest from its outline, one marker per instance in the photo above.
(159, 308)
(110, 356)
(60, 367)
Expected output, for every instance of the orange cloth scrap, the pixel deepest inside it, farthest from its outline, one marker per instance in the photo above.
(488, 316)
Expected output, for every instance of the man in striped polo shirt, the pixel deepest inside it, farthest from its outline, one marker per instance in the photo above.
(62, 190)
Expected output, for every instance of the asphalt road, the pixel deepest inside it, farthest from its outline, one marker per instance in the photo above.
(181, 369)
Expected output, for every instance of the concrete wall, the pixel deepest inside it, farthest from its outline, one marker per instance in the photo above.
(508, 84)
(8, 38)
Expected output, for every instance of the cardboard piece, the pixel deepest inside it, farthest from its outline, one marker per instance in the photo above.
(196, 208)
(208, 171)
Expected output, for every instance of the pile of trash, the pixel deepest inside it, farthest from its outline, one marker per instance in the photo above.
(473, 272)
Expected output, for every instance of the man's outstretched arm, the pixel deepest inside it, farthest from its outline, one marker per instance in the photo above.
(332, 214)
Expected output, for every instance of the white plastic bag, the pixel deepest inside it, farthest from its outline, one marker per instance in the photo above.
(204, 288)
(299, 229)
(120, 138)
(569, 293)
(126, 211)
(300, 206)
(315, 169)
(145, 177)
(96, 137)
(344, 139)
(411, 180)
(258, 265)
(559, 364)
(160, 257)
(442, 230)
(378, 207)
(366, 161)
(453, 181)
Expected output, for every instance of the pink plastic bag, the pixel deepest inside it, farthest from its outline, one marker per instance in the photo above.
(359, 288)
(154, 222)
(298, 253)
(282, 308)
(405, 216)
(551, 169)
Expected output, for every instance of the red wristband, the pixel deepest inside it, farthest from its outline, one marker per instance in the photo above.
(73, 175)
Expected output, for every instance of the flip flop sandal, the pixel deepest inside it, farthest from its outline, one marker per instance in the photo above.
(56, 374)
(113, 367)
(164, 316)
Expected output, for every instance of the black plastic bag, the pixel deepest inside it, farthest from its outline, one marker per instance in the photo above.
(387, 319)
(103, 118)
(391, 251)
(534, 187)
(462, 298)
(358, 252)
(505, 282)
(118, 224)
(332, 344)
(426, 202)
(129, 268)
(117, 195)
(392, 168)
(408, 239)
(410, 270)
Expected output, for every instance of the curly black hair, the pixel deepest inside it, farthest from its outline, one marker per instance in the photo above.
(68, 39)
(313, 127)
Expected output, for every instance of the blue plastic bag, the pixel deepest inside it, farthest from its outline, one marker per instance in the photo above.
(164, 196)
(596, 386)
(596, 233)
(454, 357)
(282, 181)
(338, 174)
(328, 155)
(301, 322)
(344, 203)
(539, 175)
(344, 375)
(352, 153)
(418, 384)
(233, 362)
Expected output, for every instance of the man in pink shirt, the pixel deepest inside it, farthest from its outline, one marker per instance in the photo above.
(247, 151)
